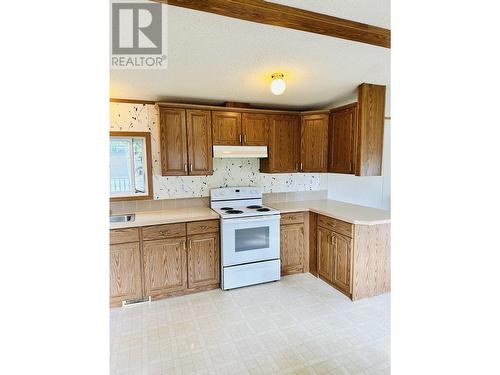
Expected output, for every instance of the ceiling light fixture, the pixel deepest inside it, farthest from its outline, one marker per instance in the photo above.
(278, 85)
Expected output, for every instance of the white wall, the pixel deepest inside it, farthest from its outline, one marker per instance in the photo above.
(373, 191)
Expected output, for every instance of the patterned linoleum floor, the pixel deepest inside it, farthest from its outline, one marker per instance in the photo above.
(299, 325)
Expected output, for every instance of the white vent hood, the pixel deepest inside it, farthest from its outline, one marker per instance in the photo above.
(240, 152)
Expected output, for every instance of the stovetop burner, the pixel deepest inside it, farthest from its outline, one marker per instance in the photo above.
(263, 209)
(226, 208)
(234, 212)
(254, 206)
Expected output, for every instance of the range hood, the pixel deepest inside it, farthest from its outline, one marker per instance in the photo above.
(240, 152)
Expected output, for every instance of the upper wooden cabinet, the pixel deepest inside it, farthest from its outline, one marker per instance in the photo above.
(342, 139)
(357, 134)
(199, 138)
(255, 129)
(314, 143)
(226, 128)
(284, 144)
(371, 116)
(173, 142)
(186, 142)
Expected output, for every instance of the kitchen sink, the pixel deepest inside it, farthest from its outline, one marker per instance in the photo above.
(121, 218)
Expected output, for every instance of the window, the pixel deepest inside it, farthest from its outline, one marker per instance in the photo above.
(130, 165)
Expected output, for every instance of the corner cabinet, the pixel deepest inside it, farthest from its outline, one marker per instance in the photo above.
(284, 145)
(185, 141)
(354, 259)
(163, 260)
(356, 134)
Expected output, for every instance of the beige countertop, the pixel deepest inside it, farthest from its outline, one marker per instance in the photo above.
(348, 212)
(174, 215)
(351, 213)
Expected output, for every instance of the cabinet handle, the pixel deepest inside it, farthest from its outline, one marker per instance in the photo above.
(302, 169)
(190, 167)
(240, 138)
(190, 242)
(185, 167)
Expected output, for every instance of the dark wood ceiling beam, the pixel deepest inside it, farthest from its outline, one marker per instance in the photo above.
(281, 15)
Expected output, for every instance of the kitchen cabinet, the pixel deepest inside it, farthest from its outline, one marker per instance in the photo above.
(314, 142)
(292, 248)
(226, 128)
(158, 261)
(203, 259)
(354, 259)
(199, 136)
(357, 132)
(254, 129)
(342, 252)
(284, 144)
(342, 139)
(185, 142)
(173, 142)
(124, 272)
(325, 253)
(165, 268)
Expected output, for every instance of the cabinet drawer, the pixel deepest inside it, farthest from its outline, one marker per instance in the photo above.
(200, 227)
(293, 218)
(157, 232)
(123, 235)
(336, 225)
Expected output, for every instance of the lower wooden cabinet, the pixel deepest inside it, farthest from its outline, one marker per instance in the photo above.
(203, 260)
(334, 258)
(164, 260)
(125, 272)
(165, 268)
(342, 253)
(325, 253)
(292, 248)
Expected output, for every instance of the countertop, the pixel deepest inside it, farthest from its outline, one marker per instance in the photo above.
(351, 213)
(348, 212)
(175, 215)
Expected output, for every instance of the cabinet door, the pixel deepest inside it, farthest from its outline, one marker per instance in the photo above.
(124, 273)
(226, 128)
(292, 248)
(203, 260)
(165, 268)
(325, 253)
(173, 140)
(342, 252)
(342, 141)
(284, 133)
(254, 129)
(199, 135)
(314, 143)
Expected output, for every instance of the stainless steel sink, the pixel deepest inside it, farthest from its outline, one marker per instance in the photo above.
(121, 218)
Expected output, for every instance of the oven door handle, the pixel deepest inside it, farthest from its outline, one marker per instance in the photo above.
(254, 219)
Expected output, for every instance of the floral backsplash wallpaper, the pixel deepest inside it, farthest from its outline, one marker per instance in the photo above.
(227, 172)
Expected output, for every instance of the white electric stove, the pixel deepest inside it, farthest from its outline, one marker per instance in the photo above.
(250, 237)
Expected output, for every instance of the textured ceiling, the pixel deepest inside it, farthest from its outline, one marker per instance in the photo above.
(214, 59)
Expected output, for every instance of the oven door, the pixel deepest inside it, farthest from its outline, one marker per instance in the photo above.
(250, 239)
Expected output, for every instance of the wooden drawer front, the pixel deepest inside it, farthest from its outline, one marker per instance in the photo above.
(200, 227)
(294, 218)
(123, 235)
(158, 232)
(336, 225)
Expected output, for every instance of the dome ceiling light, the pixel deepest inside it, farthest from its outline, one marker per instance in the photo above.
(278, 85)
